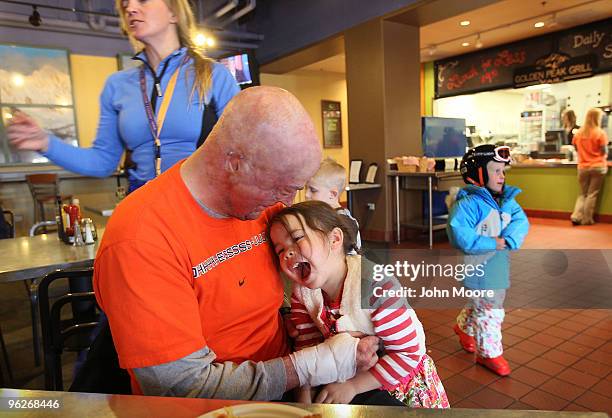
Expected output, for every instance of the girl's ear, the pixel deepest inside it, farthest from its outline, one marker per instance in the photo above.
(336, 239)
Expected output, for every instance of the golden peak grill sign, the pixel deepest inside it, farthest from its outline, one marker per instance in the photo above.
(574, 53)
(554, 68)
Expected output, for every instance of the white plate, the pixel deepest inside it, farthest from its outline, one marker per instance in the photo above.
(259, 410)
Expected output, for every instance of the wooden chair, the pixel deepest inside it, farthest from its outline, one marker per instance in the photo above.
(44, 189)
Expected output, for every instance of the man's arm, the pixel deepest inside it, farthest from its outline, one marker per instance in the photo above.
(196, 375)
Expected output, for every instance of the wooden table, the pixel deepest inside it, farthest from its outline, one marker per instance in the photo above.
(429, 181)
(94, 405)
(33, 257)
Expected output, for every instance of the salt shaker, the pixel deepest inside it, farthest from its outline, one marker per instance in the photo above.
(78, 236)
(89, 239)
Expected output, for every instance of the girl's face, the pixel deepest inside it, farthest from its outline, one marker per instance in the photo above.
(304, 255)
(148, 19)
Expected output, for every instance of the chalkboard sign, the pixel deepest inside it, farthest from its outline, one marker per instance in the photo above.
(332, 124)
(584, 50)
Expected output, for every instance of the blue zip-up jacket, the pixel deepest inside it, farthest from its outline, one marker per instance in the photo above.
(475, 220)
(123, 121)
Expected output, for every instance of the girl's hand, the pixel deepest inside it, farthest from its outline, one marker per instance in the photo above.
(337, 393)
(303, 395)
(24, 133)
(501, 244)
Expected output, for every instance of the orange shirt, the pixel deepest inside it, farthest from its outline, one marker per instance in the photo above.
(590, 148)
(172, 280)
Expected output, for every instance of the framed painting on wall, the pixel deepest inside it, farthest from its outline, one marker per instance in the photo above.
(332, 124)
(36, 81)
(125, 61)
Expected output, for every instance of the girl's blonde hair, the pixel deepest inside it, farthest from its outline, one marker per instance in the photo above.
(185, 26)
(592, 121)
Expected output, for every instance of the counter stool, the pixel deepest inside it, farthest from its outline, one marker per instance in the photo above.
(44, 189)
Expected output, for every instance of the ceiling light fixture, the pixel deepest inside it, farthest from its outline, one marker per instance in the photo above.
(539, 24)
(478, 43)
(432, 50)
(35, 19)
(465, 44)
(465, 23)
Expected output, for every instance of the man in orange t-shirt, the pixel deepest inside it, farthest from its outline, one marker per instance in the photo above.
(187, 279)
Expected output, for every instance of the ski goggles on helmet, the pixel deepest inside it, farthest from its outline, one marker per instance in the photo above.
(500, 154)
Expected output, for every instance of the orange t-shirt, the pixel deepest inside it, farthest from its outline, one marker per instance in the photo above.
(589, 148)
(172, 280)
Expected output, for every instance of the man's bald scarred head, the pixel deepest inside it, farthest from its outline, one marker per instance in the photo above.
(264, 139)
(265, 122)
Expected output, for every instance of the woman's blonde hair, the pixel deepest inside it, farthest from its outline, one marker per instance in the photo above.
(185, 26)
(592, 121)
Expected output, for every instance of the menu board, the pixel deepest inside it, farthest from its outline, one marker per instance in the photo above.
(577, 52)
(332, 124)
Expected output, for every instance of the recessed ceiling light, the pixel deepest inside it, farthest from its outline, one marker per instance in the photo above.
(539, 25)
(464, 23)
(465, 44)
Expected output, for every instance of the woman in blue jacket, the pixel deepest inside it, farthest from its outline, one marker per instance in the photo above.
(484, 222)
(173, 74)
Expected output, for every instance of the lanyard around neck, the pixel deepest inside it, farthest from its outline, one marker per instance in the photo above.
(156, 124)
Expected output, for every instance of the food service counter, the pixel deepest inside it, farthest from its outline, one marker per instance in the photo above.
(550, 187)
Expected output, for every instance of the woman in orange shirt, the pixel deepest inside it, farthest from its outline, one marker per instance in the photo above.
(591, 142)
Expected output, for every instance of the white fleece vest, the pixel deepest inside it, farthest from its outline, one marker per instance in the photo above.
(353, 318)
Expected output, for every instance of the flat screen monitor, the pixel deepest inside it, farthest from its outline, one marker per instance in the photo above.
(443, 137)
(238, 66)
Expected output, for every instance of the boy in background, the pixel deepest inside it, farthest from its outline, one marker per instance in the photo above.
(484, 221)
(327, 185)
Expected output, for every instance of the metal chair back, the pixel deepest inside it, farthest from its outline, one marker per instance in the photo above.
(66, 334)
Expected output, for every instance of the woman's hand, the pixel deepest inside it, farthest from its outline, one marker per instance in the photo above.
(24, 133)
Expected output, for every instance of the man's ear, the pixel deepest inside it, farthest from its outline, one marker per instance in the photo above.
(333, 193)
(233, 162)
(336, 238)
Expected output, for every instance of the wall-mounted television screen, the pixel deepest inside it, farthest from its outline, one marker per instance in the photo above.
(443, 137)
(238, 65)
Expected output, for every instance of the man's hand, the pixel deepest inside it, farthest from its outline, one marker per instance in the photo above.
(366, 356)
(337, 393)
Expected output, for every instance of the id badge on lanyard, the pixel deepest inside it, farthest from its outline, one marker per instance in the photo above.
(156, 124)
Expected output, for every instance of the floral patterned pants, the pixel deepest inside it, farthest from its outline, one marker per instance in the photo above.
(425, 389)
(482, 319)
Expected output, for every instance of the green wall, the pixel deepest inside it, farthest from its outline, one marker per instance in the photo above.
(554, 189)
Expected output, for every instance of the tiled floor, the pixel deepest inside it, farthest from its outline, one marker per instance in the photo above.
(561, 358)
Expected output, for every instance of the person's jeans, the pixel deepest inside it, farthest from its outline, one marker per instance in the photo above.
(590, 180)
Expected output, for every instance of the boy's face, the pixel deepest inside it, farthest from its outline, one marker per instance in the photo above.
(318, 190)
(497, 178)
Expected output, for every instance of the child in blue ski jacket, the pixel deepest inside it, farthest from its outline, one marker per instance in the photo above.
(485, 221)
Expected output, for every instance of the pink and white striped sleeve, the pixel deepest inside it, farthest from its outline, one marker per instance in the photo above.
(397, 325)
(309, 334)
